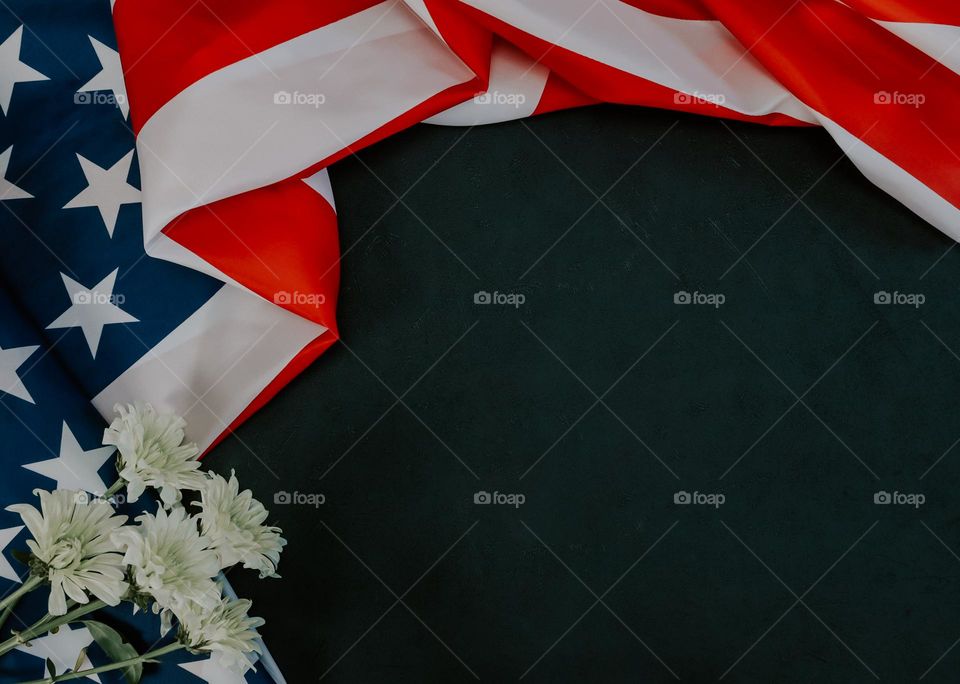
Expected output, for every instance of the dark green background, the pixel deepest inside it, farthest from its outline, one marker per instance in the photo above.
(879, 586)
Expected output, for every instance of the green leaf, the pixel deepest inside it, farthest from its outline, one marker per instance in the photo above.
(81, 657)
(21, 556)
(52, 669)
(116, 648)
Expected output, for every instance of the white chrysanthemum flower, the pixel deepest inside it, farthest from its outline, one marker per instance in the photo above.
(171, 562)
(233, 521)
(227, 632)
(152, 452)
(72, 539)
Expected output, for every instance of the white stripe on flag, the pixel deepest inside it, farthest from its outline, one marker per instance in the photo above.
(227, 134)
(215, 363)
(937, 40)
(891, 178)
(697, 57)
(516, 85)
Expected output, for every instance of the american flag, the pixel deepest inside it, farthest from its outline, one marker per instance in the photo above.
(82, 306)
(169, 228)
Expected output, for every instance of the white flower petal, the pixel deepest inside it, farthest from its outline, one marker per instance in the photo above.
(71, 539)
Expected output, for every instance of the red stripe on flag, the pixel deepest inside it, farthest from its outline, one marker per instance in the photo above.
(470, 41)
(306, 356)
(675, 9)
(865, 79)
(920, 11)
(605, 83)
(558, 94)
(279, 241)
(167, 45)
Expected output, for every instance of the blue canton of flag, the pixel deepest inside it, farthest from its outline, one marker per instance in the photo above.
(81, 301)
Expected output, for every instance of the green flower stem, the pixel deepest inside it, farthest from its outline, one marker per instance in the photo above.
(28, 586)
(48, 622)
(152, 655)
(114, 488)
(7, 611)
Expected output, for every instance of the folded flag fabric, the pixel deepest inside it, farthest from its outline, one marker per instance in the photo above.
(239, 107)
(169, 231)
